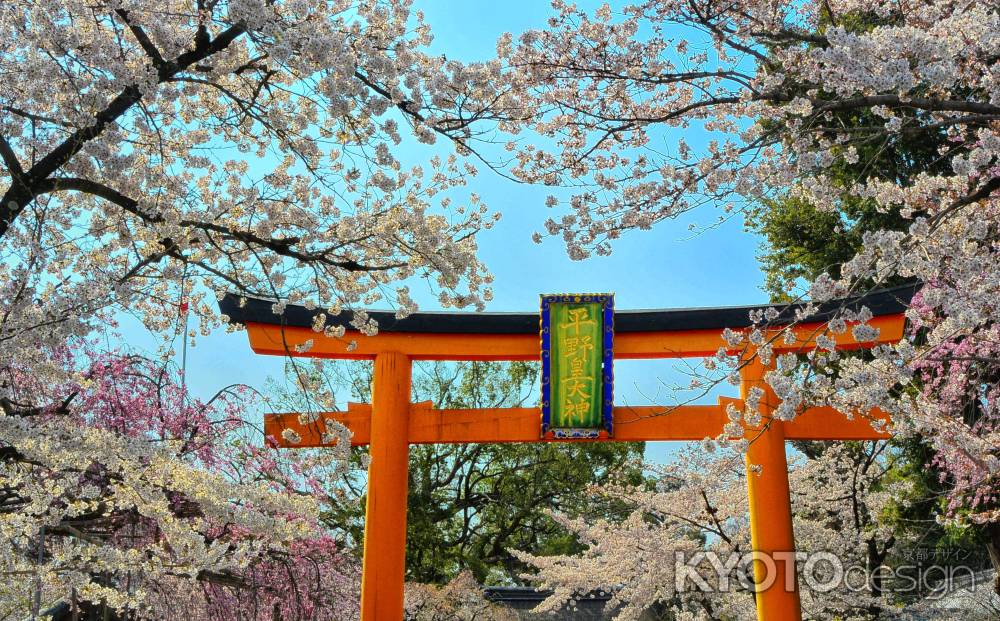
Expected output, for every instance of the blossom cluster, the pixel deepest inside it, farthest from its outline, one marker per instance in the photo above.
(698, 512)
(133, 493)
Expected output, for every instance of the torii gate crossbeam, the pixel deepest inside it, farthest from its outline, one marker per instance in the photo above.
(391, 423)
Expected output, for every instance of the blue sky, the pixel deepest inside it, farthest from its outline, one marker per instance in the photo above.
(666, 267)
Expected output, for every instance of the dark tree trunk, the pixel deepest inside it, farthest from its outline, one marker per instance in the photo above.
(993, 547)
(83, 611)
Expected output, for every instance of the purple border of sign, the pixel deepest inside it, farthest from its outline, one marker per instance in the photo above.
(607, 300)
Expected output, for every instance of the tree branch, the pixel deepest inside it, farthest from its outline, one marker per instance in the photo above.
(144, 41)
(19, 195)
(280, 246)
(920, 103)
(10, 159)
(36, 117)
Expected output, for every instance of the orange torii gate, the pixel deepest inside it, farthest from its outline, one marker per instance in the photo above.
(391, 422)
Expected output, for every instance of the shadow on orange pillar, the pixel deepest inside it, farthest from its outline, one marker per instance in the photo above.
(384, 562)
(771, 534)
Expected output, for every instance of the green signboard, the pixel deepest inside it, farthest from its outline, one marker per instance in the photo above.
(577, 337)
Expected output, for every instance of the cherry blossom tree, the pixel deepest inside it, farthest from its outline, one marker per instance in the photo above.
(785, 92)
(462, 599)
(683, 550)
(132, 495)
(152, 154)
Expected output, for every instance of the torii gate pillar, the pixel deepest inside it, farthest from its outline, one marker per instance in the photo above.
(771, 534)
(384, 562)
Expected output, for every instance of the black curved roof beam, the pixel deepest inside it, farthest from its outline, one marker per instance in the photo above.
(890, 301)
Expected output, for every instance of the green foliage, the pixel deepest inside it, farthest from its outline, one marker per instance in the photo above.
(498, 500)
(803, 241)
(470, 503)
(914, 515)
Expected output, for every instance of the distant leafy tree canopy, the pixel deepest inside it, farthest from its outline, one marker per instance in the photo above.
(469, 504)
(802, 241)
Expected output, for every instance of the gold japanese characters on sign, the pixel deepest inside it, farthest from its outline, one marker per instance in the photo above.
(577, 338)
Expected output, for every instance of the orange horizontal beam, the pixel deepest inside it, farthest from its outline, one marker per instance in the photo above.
(433, 426)
(826, 423)
(631, 424)
(283, 340)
